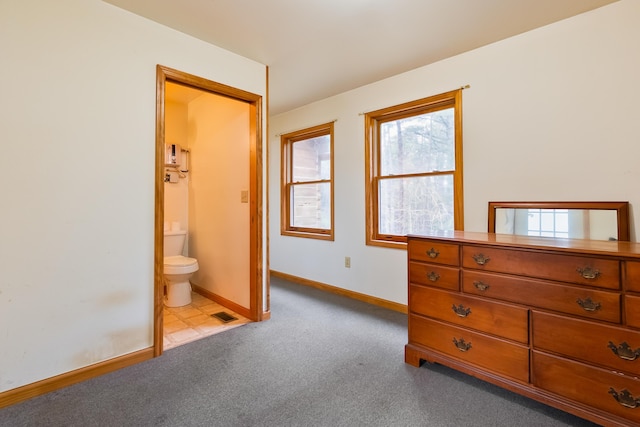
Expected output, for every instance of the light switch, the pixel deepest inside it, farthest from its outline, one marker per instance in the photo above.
(244, 196)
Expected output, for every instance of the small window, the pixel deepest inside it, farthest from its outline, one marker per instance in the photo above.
(414, 169)
(548, 222)
(307, 183)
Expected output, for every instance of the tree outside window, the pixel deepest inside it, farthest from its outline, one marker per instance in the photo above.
(414, 169)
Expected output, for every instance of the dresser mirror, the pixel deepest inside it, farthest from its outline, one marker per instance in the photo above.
(575, 220)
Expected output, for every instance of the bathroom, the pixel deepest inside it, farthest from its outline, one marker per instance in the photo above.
(206, 194)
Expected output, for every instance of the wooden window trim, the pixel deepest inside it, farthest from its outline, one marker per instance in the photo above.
(372, 161)
(286, 165)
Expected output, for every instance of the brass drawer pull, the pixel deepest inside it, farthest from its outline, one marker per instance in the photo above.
(461, 345)
(460, 310)
(433, 253)
(433, 276)
(588, 273)
(588, 305)
(481, 286)
(480, 259)
(625, 398)
(624, 351)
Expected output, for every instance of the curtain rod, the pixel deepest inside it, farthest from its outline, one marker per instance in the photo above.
(461, 88)
(304, 127)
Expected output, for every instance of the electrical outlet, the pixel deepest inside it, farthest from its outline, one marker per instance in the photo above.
(347, 261)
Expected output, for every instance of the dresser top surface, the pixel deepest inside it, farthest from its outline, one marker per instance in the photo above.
(596, 247)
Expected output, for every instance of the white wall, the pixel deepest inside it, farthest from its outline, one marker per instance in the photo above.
(77, 114)
(550, 115)
(219, 228)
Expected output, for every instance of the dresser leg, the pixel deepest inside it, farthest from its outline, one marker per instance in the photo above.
(412, 357)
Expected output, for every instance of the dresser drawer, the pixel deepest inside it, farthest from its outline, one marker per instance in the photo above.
(504, 320)
(585, 302)
(632, 311)
(434, 275)
(605, 345)
(493, 354)
(587, 384)
(436, 252)
(562, 268)
(632, 282)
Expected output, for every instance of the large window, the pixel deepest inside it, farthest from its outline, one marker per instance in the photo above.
(414, 169)
(307, 183)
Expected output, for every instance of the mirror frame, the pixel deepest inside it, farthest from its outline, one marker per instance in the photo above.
(621, 208)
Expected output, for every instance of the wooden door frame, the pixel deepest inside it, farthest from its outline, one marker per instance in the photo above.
(163, 75)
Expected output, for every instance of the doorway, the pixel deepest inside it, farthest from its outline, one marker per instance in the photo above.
(252, 195)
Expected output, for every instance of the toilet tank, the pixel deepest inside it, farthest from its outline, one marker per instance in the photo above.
(174, 242)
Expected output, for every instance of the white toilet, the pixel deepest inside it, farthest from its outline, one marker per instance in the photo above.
(177, 269)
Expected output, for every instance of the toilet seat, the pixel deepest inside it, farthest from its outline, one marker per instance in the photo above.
(180, 265)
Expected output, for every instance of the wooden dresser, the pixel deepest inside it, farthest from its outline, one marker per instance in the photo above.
(556, 320)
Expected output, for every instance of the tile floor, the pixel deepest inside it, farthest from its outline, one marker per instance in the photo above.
(194, 321)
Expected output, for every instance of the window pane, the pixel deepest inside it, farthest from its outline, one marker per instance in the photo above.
(548, 222)
(312, 159)
(420, 205)
(534, 222)
(311, 205)
(562, 222)
(418, 144)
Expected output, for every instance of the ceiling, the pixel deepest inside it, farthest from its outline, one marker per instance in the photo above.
(319, 48)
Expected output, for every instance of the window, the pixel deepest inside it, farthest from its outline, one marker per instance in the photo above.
(548, 222)
(414, 169)
(307, 183)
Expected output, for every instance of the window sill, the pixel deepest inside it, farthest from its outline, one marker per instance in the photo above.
(307, 235)
(387, 244)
